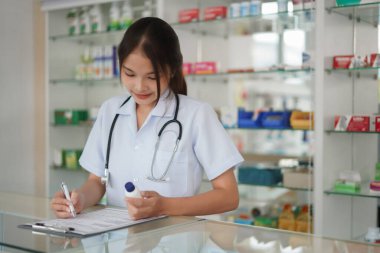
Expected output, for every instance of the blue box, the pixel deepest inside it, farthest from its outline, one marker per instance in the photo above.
(259, 176)
(276, 120)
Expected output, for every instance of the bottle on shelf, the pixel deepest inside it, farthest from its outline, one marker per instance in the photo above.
(114, 23)
(84, 21)
(147, 12)
(126, 15)
(304, 220)
(255, 7)
(131, 190)
(286, 219)
(73, 22)
(96, 19)
(282, 5)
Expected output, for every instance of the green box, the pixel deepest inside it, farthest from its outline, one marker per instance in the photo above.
(71, 158)
(266, 221)
(346, 187)
(69, 116)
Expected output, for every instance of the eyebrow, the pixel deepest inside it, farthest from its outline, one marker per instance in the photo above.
(124, 67)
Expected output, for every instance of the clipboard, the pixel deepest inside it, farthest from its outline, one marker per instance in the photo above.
(87, 224)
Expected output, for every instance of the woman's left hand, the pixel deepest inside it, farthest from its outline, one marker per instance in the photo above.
(149, 205)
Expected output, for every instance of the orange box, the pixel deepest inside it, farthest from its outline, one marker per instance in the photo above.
(302, 120)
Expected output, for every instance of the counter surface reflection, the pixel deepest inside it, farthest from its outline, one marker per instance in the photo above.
(171, 234)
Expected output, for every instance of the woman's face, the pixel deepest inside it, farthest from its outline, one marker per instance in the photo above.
(137, 75)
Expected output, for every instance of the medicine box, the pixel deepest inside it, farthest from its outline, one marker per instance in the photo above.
(189, 15)
(276, 119)
(215, 12)
(352, 123)
(342, 61)
(71, 158)
(346, 186)
(249, 119)
(257, 175)
(302, 120)
(69, 116)
(302, 179)
(206, 67)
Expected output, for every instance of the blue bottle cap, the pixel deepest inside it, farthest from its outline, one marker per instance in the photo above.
(129, 187)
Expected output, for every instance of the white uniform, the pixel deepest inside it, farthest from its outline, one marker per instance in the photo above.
(205, 145)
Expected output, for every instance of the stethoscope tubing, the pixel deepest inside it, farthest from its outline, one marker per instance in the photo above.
(105, 178)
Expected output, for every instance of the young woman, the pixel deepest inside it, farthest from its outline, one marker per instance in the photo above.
(167, 172)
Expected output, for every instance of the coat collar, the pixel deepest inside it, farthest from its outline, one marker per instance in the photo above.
(164, 108)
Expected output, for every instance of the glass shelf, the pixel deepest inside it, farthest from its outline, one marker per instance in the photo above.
(68, 169)
(212, 27)
(364, 192)
(89, 123)
(86, 82)
(368, 12)
(193, 76)
(267, 129)
(278, 186)
(351, 132)
(367, 71)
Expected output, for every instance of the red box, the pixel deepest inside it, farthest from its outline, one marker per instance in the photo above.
(352, 123)
(373, 60)
(342, 61)
(215, 12)
(206, 67)
(189, 15)
(187, 68)
(377, 123)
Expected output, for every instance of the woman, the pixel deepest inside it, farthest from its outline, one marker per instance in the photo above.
(168, 176)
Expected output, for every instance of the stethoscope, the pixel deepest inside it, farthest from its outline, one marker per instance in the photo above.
(152, 177)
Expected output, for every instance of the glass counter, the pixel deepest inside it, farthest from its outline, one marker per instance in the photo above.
(170, 234)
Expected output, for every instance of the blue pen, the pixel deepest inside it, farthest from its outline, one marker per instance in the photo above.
(67, 196)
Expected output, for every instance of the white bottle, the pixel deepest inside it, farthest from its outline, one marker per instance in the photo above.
(96, 16)
(282, 5)
(114, 17)
(84, 21)
(131, 191)
(147, 12)
(255, 7)
(126, 15)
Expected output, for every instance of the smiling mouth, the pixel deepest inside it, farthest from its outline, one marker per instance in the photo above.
(142, 96)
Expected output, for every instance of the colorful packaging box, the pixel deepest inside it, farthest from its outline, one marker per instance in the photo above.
(342, 61)
(70, 117)
(377, 123)
(188, 15)
(187, 68)
(206, 67)
(373, 60)
(215, 12)
(351, 123)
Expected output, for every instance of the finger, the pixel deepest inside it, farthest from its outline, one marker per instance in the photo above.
(63, 214)
(136, 202)
(149, 194)
(75, 198)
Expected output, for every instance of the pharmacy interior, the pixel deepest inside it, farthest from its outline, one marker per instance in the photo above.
(297, 84)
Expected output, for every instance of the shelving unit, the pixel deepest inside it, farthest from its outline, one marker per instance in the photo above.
(198, 40)
(346, 30)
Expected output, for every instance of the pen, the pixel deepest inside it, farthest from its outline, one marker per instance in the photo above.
(67, 196)
(42, 226)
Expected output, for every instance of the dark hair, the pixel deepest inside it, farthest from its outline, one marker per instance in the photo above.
(160, 43)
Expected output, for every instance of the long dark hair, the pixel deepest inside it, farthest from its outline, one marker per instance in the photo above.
(160, 43)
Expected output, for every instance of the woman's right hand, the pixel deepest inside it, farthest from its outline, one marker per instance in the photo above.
(60, 205)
